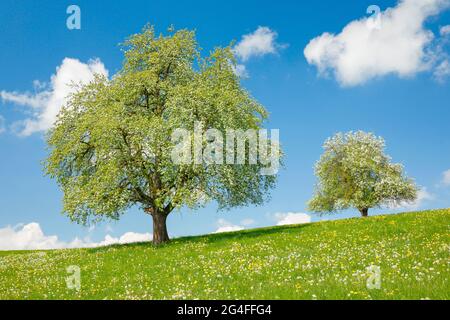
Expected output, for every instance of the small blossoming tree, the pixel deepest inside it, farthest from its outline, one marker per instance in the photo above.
(355, 172)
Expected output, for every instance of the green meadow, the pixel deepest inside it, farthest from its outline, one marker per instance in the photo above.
(323, 260)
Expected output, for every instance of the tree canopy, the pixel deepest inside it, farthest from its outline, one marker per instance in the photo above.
(355, 172)
(111, 145)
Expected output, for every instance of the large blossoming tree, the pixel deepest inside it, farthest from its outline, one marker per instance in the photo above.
(355, 172)
(111, 145)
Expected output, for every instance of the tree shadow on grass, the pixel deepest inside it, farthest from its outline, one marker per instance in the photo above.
(242, 235)
(215, 238)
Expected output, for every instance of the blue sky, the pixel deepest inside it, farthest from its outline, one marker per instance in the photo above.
(406, 102)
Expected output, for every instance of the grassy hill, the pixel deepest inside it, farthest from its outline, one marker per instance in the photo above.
(325, 260)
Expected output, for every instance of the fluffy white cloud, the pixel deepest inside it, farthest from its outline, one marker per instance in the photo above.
(292, 218)
(47, 102)
(225, 226)
(442, 71)
(31, 237)
(445, 30)
(442, 62)
(129, 237)
(241, 71)
(247, 222)
(446, 177)
(395, 43)
(258, 43)
(2, 125)
(422, 196)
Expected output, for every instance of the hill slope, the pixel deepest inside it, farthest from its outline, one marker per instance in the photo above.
(325, 260)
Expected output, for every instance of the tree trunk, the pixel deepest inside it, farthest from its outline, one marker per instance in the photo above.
(160, 234)
(364, 212)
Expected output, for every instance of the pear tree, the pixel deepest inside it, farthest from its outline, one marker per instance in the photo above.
(354, 171)
(111, 147)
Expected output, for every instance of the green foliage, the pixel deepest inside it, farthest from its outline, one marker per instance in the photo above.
(325, 260)
(355, 172)
(111, 145)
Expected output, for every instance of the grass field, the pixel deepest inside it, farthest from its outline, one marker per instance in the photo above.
(325, 260)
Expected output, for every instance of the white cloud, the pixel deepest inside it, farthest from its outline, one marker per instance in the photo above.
(241, 71)
(128, 237)
(47, 101)
(247, 222)
(445, 30)
(442, 60)
(2, 125)
(292, 218)
(442, 71)
(31, 237)
(363, 50)
(258, 43)
(446, 177)
(225, 226)
(422, 196)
